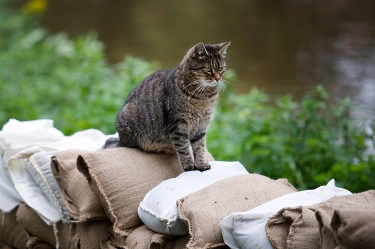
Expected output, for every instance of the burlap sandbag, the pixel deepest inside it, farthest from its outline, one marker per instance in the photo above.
(87, 235)
(5, 246)
(121, 177)
(348, 222)
(204, 209)
(81, 202)
(12, 233)
(143, 238)
(299, 227)
(92, 233)
(35, 226)
(36, 243)
(139, 238)
(293, 228)
(354, 228)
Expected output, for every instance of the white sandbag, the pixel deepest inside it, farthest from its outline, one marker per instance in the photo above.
(247, 229)
(158, 210)
(39, 168)
(19, 141)
(9, 195)
(15, 137)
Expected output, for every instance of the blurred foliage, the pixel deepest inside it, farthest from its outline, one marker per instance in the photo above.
(67, 80)
(305, 142)
(70, 81)
(35, 6)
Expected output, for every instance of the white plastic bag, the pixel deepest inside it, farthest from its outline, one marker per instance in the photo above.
(158, 209)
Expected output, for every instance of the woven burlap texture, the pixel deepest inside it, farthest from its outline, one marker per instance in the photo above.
(310, 227)
(203, 210)
(121, 177)
(82, 203)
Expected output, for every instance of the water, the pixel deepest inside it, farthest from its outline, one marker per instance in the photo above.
(280, 47)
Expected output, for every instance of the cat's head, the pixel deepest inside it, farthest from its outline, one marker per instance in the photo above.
(206, 62)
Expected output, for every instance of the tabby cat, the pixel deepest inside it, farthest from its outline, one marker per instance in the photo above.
(169, 111)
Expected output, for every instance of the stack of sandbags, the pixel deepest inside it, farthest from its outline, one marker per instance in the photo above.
(108, 193)
(103, 200)
(66, 192)
(121, 178)
(89, 197)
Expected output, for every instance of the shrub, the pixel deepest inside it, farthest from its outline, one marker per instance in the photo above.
(67, 80)
(305, 142)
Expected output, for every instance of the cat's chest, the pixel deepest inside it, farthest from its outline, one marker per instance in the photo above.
(198, 119)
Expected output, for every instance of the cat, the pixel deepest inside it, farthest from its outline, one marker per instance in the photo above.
(170, 110)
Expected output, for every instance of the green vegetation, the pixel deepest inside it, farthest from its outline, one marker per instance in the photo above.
(305, 142)
(70, 81)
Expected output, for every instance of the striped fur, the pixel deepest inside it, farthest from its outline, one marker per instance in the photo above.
(169, 111)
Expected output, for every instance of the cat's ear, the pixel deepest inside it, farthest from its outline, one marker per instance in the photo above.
(222, 48)
(199, 49)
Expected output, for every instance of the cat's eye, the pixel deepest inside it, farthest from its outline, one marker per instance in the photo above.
(221, 69)
(208, 68)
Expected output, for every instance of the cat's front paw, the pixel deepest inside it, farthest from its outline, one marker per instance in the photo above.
(203, 166)
(189, 166)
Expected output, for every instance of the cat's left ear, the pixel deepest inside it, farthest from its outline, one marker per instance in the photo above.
(222, 48)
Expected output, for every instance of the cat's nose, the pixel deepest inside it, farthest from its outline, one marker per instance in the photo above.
(217, 77)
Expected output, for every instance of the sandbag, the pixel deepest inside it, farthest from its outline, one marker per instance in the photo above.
(36, 243)
(83, 205)
(5, 246)
(62, 236)
(143, 238)
(348, 222)
(203, 210)
(158, 210)
(248, 229)
(19, 142)
(121, 177)
(305, 228)
(86, 235)
(39, 168)
(12, 233)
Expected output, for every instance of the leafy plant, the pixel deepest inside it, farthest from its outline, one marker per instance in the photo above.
(305, 142)
(67, 80)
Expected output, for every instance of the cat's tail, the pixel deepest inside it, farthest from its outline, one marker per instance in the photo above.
(112, 142)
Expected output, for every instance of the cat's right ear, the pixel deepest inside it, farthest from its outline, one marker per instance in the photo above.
(199, 50)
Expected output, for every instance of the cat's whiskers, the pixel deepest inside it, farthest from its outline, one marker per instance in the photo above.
(202, 88)
(192, 83)
(224, 84)
(204, 85)
(191, 94)
(197, 90)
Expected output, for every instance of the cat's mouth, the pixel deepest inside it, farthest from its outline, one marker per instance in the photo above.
(211, 83)
(202, 87)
